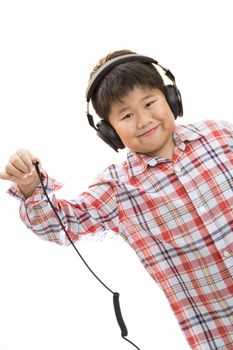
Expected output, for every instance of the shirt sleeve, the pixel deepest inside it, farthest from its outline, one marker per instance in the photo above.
(94, 210)
(227, 131)
(229, 127)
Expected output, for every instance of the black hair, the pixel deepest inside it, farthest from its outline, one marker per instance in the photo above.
(122, 79)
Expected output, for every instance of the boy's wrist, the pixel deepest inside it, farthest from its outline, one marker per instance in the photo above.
(27, 190)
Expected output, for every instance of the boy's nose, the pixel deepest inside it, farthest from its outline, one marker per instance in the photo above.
(143, 120)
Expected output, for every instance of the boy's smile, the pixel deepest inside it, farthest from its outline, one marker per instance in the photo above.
(144, 122)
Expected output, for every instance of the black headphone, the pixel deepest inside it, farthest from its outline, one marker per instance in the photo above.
(103, 129)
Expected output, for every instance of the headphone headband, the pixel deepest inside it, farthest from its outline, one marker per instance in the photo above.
(107, 66)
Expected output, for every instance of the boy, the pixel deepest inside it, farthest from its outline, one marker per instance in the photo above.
(171, 200)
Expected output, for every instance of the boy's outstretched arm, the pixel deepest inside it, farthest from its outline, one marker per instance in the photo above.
(20, 170)
(93, 210)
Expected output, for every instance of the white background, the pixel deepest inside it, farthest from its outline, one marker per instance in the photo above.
(48, 299)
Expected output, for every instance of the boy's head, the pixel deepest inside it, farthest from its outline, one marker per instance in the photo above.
(136, 109)
(120, 80)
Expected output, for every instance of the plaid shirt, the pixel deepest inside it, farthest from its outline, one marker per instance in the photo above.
(178, 217)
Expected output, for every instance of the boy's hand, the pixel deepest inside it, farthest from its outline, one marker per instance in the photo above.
(21, 170)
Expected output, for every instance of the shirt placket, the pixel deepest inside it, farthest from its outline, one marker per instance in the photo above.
(203, 211)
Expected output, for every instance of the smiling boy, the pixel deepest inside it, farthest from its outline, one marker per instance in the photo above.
(171, 200)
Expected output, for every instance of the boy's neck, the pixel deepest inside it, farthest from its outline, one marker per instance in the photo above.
(165, 152)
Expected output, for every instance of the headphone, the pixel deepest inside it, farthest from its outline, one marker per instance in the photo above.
(103, 129)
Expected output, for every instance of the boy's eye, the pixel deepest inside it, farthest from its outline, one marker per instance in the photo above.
(148, 104)
(127, 116)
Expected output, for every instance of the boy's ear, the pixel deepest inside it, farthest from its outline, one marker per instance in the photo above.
(173, 98)
(108, 134)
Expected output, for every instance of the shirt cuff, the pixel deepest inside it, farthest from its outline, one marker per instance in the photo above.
(38, 195)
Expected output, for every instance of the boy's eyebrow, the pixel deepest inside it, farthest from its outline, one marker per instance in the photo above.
(123, 109)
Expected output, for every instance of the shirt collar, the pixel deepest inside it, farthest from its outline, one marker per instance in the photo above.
(137, 163)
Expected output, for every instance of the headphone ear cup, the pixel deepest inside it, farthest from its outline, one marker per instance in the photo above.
(174, 100)
(107, 133)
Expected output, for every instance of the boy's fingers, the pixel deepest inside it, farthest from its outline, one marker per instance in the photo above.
(5, 176)
(23, 161)
(18, 164)
(12, 170)
(25, 157)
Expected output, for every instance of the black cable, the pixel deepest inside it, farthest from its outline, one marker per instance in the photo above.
(116, 296)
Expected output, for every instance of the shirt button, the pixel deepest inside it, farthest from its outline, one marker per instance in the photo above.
(177, 169)
(202, 209)
(152, 162)
(226, 254)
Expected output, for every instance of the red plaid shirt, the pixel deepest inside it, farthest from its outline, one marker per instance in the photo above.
(177, 216)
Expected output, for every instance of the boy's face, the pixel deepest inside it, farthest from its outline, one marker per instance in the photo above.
(144, 122)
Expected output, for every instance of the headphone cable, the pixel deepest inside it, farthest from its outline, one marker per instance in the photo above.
(116, 296)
